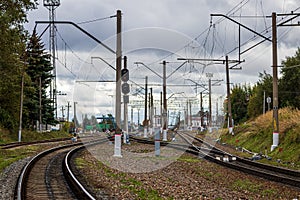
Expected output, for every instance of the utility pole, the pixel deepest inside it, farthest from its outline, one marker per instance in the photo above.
(131, 121)
(138, 119)
(264, 103)
(75, 118)
(62, 112)
(190, 108)
(209, 103)
(217, 112)
(201, 109)
(275, 72)
(125, 102)
(117, 150)
(164, 102)
(209, 75)
(230, 127)
(145, 122)
(21, 107)
(40, 103)
(68, 111)
(275, 84)
(151, 112)
(161, 111)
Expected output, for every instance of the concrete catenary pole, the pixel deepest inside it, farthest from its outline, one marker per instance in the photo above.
(40, 104)
(151, 111)
(125, 102)
(230, 127)
(68, 111)
(209, 104)
(201, 109)
(21, 109)
(145, 122)
(117, 150)
(161, 111)
(75, 118)
(165, 120)
(275, 84)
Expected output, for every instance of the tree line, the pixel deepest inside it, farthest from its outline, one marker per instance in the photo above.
(248, 102)
(23, 61)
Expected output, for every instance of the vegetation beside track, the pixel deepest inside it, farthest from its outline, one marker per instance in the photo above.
(30, 136)
(186, 178)
(256, 136)
(8, 156)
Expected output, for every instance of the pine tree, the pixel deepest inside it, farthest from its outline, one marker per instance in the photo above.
(39, 70)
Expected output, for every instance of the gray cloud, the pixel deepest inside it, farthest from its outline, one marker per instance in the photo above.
(176, 22)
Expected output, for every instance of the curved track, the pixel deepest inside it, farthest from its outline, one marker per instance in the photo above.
(207, 151)
(278, 174)
(49, 176)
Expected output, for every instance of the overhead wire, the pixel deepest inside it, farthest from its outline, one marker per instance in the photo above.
(69, 47)
(95, 20)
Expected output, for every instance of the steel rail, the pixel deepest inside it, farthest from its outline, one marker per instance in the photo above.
(240, 164)
(20, 191)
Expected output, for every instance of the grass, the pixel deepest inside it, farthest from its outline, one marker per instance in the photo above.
(80, 162)
(29, 136)
(142, 193)
(8, 156)
(256, 136)
(246, 185)
(133, 185)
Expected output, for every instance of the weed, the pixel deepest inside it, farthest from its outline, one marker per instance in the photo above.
(246, 185)
(80, 162)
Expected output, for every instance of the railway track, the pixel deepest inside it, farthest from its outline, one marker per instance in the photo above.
(278, 174)
(19, 144)
(207, 151)
(49, 176)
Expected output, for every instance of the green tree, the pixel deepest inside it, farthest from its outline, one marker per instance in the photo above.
(289, 84)
(263, 86)
(39, 70)
(12, 63)
(239, 102)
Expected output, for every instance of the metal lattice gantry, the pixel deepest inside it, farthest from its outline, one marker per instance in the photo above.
(51, 5)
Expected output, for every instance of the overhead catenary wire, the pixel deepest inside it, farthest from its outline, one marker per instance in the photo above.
(69, 47)
(96, 20)
(230, 12)
(264, 32)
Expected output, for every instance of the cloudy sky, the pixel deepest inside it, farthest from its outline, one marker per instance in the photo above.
(159, 30)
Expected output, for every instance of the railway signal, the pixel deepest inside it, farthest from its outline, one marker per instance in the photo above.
(125, 88)
(125, 75)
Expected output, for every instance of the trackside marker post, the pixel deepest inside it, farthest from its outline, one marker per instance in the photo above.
(157, 143)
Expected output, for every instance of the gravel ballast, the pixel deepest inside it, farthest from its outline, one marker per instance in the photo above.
(188, 177)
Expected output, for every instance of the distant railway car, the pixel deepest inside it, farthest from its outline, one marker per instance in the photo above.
(106, 123)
